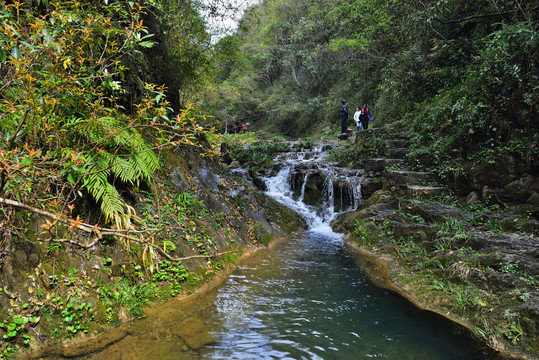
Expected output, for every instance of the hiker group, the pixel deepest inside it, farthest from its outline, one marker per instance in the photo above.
(361, 117)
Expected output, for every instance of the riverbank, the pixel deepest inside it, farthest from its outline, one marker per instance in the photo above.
(431, 255)
(465, 246)
(182, 318)
(60, 287)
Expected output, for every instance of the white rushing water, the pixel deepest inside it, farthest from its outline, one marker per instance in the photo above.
(334, 199)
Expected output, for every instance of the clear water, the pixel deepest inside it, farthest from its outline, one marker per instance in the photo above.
(302, 299)
(309, 300)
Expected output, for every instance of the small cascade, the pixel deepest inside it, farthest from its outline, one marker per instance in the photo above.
(314, 187)
(302, 194)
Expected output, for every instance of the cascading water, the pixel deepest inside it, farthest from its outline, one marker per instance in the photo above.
(307, 299)
(330, 190)
(301, 299)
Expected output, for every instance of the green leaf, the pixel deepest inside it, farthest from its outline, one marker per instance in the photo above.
(20, 320)
(71, 178)
(48, 39)
(16, 53)
(2, 55)
(21, 132)
(28, 45)
(147, 44)
(146, 37)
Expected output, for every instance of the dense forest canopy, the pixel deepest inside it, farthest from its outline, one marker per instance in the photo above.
(86, 84)
(462, 75)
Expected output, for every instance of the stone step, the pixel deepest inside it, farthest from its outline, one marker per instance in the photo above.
(346, 135)
(381, 131)
(379, 164)
(395, 143)
(398, 153)
(424, 191)
(402, 178)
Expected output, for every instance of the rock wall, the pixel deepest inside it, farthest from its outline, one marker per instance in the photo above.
(191, 222)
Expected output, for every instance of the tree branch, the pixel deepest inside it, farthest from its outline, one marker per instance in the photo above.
(102, 232)
(78, 225)
(471, 17)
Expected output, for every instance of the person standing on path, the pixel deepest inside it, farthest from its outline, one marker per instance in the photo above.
(344, 117)
(365, 117)
(356, 119)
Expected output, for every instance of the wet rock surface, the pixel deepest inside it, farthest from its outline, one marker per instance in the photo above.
(473, 259)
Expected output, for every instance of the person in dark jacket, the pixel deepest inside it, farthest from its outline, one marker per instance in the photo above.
(365, 117)
(344, 117)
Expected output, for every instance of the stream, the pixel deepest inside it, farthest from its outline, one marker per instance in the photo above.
(305, 298)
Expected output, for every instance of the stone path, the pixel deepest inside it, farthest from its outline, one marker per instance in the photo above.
(391, 169)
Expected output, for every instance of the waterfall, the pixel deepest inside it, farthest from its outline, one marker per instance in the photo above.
(313, 187)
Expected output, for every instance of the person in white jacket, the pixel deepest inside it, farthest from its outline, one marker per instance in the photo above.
(356, 119)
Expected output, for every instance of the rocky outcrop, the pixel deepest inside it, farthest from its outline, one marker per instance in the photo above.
(477, 275)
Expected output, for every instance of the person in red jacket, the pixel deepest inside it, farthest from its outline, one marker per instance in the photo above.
(365, 117)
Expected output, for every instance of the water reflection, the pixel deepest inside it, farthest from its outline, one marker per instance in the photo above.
(308, 300)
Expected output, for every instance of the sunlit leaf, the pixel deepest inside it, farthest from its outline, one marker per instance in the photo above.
(16, 53)
(26, 161)
(71, 178)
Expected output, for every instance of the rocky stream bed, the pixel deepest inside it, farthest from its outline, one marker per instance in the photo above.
(467, 250)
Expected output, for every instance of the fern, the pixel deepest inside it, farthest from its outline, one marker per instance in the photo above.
(127, 157)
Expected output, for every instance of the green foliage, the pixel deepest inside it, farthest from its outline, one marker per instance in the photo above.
(351, 154)
(76, 317)
(459, 75)
(170, 272)
(450, 225)
(508, 268)
(259, 157)
(127, 295)
(15, 329)
(514, 332)
(361, 233)
(76, 116)
(495, 225)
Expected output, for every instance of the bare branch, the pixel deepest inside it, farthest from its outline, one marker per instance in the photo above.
(100, 232)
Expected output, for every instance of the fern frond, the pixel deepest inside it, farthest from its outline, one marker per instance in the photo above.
(127, 157)
(111, 203)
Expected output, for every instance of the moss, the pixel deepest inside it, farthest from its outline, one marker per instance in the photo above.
(265, 239)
